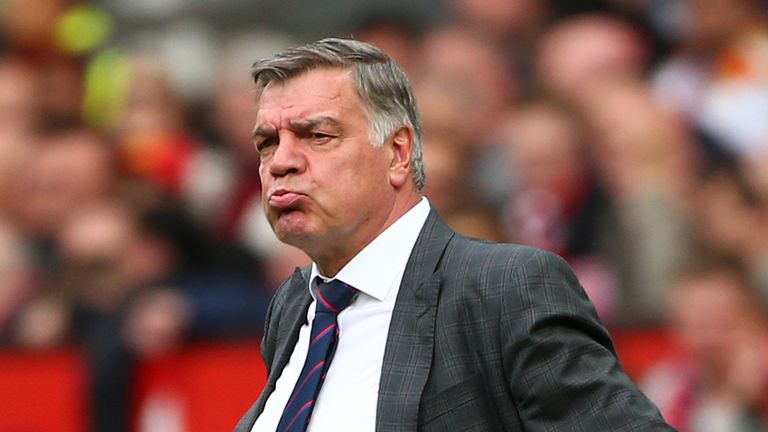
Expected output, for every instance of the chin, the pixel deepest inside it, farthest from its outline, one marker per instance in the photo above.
(291, 237)
(292, 229)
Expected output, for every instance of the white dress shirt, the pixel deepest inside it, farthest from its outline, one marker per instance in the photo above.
(349, 395)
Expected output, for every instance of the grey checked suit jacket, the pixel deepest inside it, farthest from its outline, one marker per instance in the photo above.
(484, 337)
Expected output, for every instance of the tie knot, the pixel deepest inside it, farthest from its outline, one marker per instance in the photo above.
(333, 296)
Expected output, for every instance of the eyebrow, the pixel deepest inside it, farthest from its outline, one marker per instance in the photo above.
(302, 125)
(266, 130)
(263, 131)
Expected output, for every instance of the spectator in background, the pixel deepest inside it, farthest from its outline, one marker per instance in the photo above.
(588, 48)
(443, 100)
(63, 173)
(463, 85)
(513, 25)
(150, 131)
(469, 61)
(135, 279)
(718, 382)
(557, 204)
(544, 150)
(646, 160)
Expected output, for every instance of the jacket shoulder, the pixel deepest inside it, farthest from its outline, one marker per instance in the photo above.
(484, 255)
(517, 279)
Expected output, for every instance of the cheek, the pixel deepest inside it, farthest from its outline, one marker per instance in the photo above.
(354, 187)
(263, 172)
(348, 178)
(369, 175)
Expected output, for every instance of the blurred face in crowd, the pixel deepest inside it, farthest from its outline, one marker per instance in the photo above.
(68, 173)
(152, 105)
(108, 233)
(326, 188)
(711, 316)
(92, 242)
(543, 145)
(476, 66)
(443, 103)
(501, 17)
(581, 50)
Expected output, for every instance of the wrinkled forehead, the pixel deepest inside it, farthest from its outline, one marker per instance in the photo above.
(268, 80)
(318, 91)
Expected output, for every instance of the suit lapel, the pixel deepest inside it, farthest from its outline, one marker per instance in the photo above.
(410, 342)
(295, 310)
(292, 315)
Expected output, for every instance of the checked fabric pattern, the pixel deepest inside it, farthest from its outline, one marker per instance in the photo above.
(332, 298)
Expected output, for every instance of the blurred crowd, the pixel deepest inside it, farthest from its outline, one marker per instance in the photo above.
(628, 136)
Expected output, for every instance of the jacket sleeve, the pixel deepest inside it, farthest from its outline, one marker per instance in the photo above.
(559, 362)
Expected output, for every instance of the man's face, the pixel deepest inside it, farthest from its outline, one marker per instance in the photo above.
(711, 318)
(325, 186)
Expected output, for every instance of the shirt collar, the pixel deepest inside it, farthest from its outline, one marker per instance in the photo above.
(374, 268)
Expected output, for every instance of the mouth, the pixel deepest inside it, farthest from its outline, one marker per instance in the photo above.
(284, 199)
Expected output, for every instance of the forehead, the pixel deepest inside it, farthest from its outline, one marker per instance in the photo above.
(319, 91)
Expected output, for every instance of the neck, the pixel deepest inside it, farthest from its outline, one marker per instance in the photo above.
(331, 261)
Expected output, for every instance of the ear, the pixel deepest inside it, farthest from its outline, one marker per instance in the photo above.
(400, 156)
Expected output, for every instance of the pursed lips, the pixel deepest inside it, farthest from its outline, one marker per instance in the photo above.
(283, 199)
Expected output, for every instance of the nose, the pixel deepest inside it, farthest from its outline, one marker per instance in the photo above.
(288, 158)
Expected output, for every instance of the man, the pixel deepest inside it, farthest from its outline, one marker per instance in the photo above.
(400, 324)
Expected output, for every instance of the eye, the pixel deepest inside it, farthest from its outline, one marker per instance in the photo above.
(320, 137)
(265, 144)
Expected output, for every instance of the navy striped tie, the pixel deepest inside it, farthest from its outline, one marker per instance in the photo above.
(332, 298)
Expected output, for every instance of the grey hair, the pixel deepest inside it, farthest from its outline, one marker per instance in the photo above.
(381, 84)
